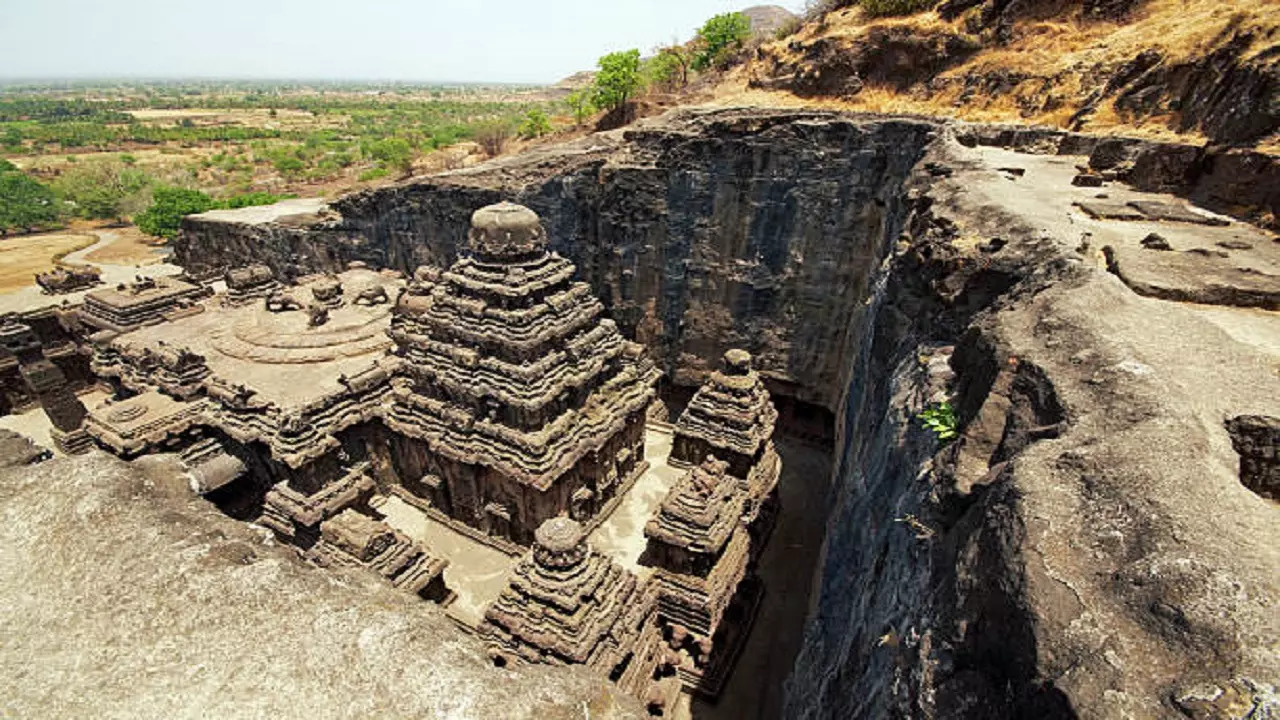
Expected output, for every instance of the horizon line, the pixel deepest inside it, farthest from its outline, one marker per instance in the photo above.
(11, 79)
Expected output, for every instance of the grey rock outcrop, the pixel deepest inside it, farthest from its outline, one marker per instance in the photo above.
(125, 597)
(1085, 547)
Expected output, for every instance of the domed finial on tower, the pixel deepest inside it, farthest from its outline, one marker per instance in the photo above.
(505, 232)
(737, 362)
(559, 543)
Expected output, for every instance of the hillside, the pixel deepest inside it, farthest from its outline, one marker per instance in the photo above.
(768, 19)
(1167, 68)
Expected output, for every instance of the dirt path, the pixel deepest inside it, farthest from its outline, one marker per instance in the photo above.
(23, 256)
(121, 246)
(120, 253)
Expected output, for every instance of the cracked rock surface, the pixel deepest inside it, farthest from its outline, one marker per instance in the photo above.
(124, 597)
(1086, 546)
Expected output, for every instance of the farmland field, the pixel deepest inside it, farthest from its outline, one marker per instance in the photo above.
(228, 138)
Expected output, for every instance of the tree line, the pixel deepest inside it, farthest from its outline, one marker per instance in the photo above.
(106, 189)
(623, 75)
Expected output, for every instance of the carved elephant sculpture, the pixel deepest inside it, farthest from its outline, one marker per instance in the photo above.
(281, 301)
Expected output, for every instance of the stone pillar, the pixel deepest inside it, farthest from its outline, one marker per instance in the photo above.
(49, 384)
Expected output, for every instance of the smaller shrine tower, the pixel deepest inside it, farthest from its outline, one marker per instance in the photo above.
(49, 385)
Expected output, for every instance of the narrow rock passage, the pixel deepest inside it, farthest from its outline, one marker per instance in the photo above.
(755, 688)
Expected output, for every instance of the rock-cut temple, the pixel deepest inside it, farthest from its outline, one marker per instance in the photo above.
(493, 397)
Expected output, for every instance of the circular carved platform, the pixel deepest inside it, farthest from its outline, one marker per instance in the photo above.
(127, 413)
(286, 338)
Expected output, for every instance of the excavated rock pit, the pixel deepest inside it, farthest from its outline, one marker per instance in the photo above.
(1085, 546)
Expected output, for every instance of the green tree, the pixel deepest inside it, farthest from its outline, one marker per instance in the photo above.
(6, 166)
(618, 79)
(24, 202)
(105, 189)
(170, 205)
(250, 199)
(493, 135)
(12, 138)
(581, 105)
(719, 37)
(535, 125)
(395, 153)
(669, 68)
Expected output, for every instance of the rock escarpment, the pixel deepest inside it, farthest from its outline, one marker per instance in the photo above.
(1201, 68)
(1085, 547)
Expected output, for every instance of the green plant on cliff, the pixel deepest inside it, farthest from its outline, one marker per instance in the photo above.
(720, 37)
(581, 105)
(940, 419)
(492, 135)
(535, 125)
(668, 70)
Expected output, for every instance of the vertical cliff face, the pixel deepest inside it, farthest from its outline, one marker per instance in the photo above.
(1085, 545)
(700, 232)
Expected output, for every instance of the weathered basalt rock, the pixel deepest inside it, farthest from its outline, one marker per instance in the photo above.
(169, 609)
(1067, 554)
(898, 57)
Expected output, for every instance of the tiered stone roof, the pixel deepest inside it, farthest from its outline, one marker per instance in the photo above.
(699, 540)
(131, 305)
(509, 363)
(295, 436)
(730, 415)
(144, 422)
(715, 520)
(701, 511)
(290, 511)
(565, 603)
(249, 283)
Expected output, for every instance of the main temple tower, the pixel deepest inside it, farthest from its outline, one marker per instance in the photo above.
(518, 402)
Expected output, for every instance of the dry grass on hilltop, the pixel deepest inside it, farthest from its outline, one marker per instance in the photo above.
(1043, 75)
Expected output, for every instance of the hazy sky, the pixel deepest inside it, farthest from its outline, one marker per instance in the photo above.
(500, 41)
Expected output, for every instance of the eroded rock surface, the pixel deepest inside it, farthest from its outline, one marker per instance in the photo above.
(124, 597)
(1085, 547)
